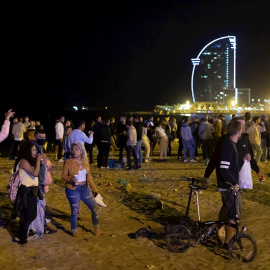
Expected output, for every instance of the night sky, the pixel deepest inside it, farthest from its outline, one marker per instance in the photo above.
(124, 55)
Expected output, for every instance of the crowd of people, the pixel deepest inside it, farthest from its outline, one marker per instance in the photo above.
(134, 136)
(138, 137)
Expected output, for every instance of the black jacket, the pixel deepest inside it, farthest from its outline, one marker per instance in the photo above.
(243, 147)
(228, 165)
(105, 133)
(139, 130)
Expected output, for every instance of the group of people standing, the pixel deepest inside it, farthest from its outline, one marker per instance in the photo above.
(131, 134)
(34, 171)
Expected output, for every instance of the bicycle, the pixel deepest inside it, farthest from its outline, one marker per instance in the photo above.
(242, 247)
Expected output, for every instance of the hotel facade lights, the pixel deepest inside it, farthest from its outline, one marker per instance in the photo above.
(214, 70)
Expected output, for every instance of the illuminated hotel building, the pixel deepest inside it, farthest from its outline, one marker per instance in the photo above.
(214, 70)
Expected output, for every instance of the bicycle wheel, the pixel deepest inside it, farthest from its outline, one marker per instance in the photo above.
(178, 239)
(242, 248)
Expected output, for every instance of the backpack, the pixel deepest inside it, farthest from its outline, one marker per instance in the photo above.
(48, 176)
(13, 185)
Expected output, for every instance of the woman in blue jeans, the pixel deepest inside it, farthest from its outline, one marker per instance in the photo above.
(76, 174)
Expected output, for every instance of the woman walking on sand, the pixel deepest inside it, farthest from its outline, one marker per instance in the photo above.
(76, 174)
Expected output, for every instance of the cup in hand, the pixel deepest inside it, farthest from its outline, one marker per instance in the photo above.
(76, 177)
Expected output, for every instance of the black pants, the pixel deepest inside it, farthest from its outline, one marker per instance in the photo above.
(207, 148)
(89, 148)
(180, 148)
(103, 154)
(28, 212)
(60, 148)
(16, 147)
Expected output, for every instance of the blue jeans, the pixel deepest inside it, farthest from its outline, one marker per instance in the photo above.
(188, 145)
(131, 150)
(74, 197)
(138, 151)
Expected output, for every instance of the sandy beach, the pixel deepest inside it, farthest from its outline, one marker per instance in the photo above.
(129, 210)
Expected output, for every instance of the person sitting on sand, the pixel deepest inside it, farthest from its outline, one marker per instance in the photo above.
(76, 174)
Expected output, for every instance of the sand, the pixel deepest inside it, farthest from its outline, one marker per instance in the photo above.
(127, 212)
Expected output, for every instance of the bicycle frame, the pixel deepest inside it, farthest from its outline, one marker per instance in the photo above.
(178, 237)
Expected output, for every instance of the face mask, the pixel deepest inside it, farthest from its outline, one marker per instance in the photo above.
(41, 141)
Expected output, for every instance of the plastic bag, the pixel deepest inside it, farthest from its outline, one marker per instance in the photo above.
(245, 177)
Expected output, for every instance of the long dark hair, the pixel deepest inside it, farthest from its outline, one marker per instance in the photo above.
(25, 152)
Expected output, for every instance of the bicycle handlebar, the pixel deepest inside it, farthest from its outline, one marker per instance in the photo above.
(195, 187)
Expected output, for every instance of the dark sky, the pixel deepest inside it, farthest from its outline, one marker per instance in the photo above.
(126, 55)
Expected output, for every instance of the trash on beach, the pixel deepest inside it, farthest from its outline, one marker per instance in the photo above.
(127, 187)
(176, 189)
(153, 195)
(144, 178)
(113, 235)
(150, 266)
(122, 182)
(158, 205)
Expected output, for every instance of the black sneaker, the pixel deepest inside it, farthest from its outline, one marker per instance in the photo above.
(50, 231)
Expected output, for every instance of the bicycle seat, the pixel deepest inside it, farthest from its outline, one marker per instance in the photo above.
(197, 188)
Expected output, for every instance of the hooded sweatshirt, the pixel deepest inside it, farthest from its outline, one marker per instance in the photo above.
(186, 132)
(132, 136)
(205, 131)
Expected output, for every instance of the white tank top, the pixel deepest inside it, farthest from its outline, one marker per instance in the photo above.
(82, 176)
(27, 179)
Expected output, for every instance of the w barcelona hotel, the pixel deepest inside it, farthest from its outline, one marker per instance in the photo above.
(213, 76)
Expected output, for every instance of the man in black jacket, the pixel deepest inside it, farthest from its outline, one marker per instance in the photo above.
(105, 143)
(122, 132)
(228, 177)
(138, 147)
(245, 152)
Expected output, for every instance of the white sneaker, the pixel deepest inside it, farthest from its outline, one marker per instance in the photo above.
(61, 160)
(186, 160)
(99, 201)
(48, 220)
(193, 161)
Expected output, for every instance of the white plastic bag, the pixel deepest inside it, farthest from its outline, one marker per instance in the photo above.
(245, 177)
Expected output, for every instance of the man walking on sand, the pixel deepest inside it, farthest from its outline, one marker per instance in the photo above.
(228, 177)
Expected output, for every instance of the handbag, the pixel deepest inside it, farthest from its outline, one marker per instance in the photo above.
(245, 177)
